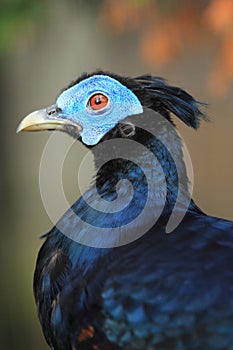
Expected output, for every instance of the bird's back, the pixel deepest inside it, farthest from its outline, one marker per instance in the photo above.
(159, 292)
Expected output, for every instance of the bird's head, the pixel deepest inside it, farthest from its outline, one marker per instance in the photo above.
(95, 104)
(89, 108)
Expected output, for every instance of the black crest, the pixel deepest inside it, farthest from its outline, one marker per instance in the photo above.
(162, 97)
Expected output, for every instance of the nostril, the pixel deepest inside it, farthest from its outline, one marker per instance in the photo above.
(53, 110)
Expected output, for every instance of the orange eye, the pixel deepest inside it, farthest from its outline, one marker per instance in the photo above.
(98, 102)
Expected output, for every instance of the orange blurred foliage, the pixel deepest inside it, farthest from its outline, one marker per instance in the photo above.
(166, 28)
(219, 19)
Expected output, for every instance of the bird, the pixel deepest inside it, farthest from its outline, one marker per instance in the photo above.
(134, 263)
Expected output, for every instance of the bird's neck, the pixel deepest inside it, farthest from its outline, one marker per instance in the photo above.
(137, 184)
(144, 167)
(140, 180)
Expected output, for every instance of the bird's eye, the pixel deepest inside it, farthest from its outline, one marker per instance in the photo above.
(98, 102)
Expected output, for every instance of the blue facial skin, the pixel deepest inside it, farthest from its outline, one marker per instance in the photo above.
(74, 106)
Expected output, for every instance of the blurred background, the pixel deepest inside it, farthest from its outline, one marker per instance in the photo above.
(46, 44)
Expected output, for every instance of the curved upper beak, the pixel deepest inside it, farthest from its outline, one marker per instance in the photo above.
(46, 119)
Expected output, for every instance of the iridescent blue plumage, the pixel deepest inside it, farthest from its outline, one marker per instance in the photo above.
(159, 291)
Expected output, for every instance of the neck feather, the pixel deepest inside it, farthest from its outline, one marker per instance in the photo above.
(152, 165)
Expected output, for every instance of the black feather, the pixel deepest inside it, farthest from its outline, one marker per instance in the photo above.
(171, 98)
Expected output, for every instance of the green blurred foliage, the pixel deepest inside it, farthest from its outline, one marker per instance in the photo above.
(16, 18)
